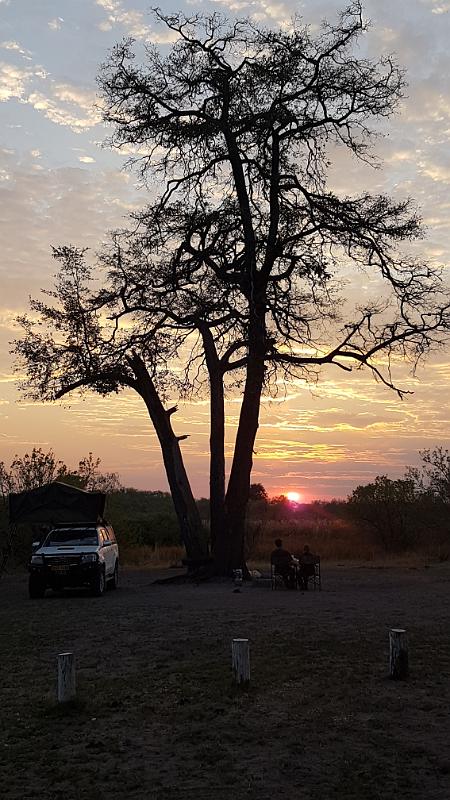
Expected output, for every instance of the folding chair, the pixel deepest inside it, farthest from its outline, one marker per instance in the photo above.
(315, 576)
(276, 579)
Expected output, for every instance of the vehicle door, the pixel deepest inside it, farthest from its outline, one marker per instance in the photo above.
(108, 554)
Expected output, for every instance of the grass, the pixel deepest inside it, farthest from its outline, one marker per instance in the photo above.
(335, 540)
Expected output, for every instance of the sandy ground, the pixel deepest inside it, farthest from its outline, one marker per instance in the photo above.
(158, 717)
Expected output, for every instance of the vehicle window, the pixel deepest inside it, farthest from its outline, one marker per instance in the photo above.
(111, 534)
(71, 536)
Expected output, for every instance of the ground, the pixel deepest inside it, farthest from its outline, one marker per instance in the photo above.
(157, 716)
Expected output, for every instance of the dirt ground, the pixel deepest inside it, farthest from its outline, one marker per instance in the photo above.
(157, 716)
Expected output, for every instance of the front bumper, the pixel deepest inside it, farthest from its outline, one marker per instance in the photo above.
(54, 574)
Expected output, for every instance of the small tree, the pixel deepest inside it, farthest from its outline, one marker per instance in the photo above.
(80, 344)
(391, 509)
(258, 494)
(30, 471)
(432, 477)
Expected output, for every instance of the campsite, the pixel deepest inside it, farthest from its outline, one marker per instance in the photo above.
(157, 715)
(224, 400)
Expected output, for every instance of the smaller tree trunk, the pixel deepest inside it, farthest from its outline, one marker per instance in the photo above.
(216, 440)
(398, 654)
(191, 528)
(230, 555)
(66, 677)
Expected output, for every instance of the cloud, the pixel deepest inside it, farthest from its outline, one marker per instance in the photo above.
(68, 105)
(51, 207)
(55, 24)
(437, 7)
(15, 46)
(13, 81)
(134, 23)
(64, 104)
(86, 159)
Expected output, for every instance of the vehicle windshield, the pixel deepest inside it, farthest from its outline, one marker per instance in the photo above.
(71, 536)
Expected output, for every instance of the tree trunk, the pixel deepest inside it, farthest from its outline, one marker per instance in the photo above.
(216, 439)
(191, 529)
(217, 459)
(229, 553)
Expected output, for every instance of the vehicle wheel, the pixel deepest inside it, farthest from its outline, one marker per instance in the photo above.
(36, 588)
(114, 582)
(99, 583)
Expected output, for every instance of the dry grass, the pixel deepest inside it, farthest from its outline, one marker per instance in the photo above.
(334, 539)
(158, 557)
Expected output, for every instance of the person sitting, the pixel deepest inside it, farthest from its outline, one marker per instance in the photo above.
(306, 568)
(283, 564)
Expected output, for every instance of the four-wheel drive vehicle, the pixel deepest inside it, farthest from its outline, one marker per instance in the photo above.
(75, 555)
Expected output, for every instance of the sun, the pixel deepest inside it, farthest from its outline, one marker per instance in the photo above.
(293, 497)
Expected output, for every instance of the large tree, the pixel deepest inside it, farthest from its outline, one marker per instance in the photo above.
(246, 240)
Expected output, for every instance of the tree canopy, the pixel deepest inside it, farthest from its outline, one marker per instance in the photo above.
(38, 468)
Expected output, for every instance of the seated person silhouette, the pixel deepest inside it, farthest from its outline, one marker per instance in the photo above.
(283, 564)
(306, 567)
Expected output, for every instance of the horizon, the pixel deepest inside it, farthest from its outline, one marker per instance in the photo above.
(58, 185)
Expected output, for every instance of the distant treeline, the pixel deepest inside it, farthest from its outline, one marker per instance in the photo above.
(386, 516)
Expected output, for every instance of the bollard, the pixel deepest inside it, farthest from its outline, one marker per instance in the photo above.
(66, 677)
(398, 654)
(237, 577)
(240, 661)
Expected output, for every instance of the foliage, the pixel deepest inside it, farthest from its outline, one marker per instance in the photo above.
(90, 479)
(143, 518)
(39, 468)
(30, 471)
(391, 508)
(433, 476)
(258, 493)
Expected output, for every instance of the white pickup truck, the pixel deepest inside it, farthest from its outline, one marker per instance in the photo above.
(75, 555)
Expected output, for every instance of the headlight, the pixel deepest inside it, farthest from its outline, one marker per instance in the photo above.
(37, 559)
(89, 557)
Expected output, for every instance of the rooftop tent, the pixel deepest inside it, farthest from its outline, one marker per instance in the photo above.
(56, 503)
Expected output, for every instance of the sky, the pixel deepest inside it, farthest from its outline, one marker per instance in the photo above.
(59, 184)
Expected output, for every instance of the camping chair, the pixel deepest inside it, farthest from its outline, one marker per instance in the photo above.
(277, 580)
(315, 577)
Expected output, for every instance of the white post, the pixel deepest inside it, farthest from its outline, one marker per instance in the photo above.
(240, 661)
(66, 677)
(237, 577)
(398, 654)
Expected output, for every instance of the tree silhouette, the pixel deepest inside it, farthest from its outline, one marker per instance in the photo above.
(246, 244)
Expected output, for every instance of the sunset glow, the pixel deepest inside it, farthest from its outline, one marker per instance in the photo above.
(293, 497)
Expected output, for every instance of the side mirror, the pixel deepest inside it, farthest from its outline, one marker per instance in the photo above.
(35, 546)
